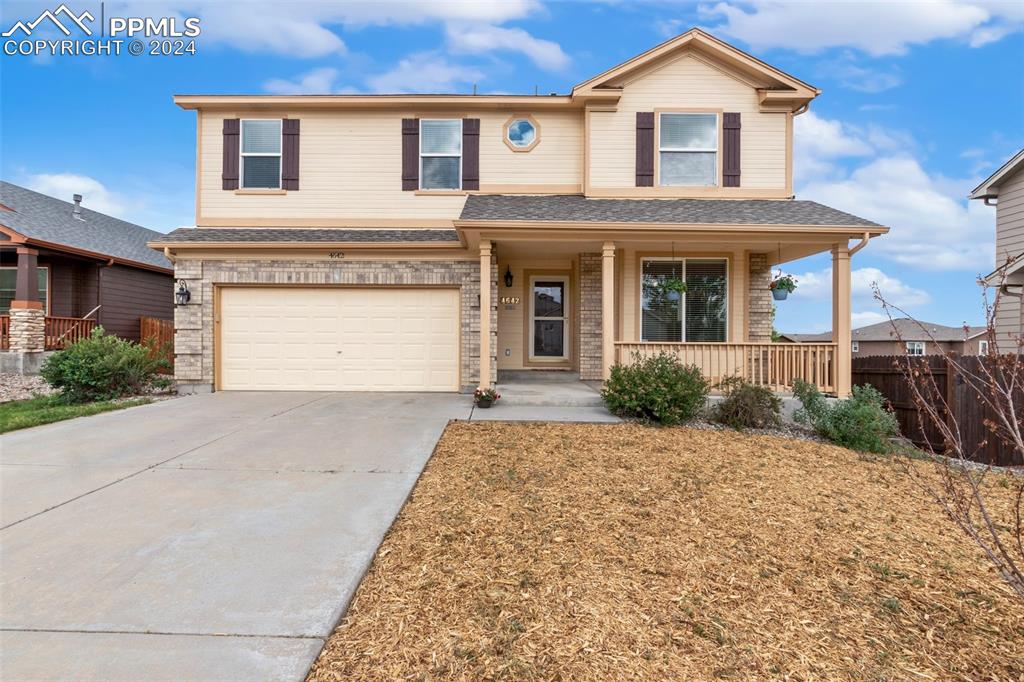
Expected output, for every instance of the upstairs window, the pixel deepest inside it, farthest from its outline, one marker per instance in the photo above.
(698, 314)
(688, 150)
(261, 154)
(441, 153)
(915, 347)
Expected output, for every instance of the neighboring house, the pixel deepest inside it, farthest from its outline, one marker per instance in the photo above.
(1005, 189)
(64, 269)
(342, 240)
(905, 336)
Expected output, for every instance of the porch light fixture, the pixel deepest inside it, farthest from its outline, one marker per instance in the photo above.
(508, 277)
(181, 293)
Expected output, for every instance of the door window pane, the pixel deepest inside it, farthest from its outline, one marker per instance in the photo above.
(440, 172)
(547, 299)
(661, 308)
(706, 296)
(549, 338)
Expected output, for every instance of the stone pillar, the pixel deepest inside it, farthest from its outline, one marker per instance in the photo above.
(486, 279)
(607, 309)
(759, 299)
(28, 319)
(590, 317)
(841, 322)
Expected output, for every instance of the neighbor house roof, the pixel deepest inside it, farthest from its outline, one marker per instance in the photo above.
(269, 235)
(42, 220)
(909, 330)
(990, 187)
(578, 209)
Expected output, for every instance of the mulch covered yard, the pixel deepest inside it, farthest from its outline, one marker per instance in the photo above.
(609, 552)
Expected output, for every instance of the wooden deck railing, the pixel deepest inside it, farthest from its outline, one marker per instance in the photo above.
(775, 365)
(61, 331)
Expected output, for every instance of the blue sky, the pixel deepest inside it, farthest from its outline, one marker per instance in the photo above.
(921, 100)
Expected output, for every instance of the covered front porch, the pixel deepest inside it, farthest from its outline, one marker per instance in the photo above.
(580, 305)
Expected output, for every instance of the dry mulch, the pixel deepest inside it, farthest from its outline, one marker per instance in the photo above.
(612, 552)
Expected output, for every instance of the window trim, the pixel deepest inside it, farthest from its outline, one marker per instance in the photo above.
(49, 283)
(983, 347)
(719, 133)
(697, 256)
(242, 188)
(915, 344)
(439, 155)
(508, 125)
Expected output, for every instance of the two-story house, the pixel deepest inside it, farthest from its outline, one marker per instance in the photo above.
(428, 242)
(1005, 189)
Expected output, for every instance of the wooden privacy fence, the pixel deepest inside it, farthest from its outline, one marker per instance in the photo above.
(886, 373)
(161, 334)
(775, 365)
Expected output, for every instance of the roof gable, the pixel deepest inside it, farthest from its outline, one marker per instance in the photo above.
(773, 84)
(990, 187)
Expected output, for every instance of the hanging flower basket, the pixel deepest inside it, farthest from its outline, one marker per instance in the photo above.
(782, 286)
(675, 288)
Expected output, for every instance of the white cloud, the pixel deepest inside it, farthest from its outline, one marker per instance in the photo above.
(316, 82)
(480, 39)
(64, 185)
(817, 285)
(863, 318)
(424, 72)
(851, 74)
(881, 28)
(307, 28)
(818, 141)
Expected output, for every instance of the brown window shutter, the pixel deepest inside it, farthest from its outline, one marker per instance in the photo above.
(290, 154)
(229, 172)
(410, 154)
(731, 150)
(645, 149)
(470, 153)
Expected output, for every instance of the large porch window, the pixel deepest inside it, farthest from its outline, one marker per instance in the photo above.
(699, 314)
(8, 278)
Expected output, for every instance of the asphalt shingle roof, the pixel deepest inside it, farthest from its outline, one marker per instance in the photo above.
(909, 330)
(38, 216)
(296, 234)
(576, 208)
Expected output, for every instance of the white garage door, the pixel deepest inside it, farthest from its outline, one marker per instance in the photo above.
(306, 339)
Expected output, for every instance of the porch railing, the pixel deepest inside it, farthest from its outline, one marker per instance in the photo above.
(775, 365)
(59, 331)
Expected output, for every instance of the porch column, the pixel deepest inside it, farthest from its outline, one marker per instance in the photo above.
(607, 309)
(841, 324)
(28, 319)
(485, 313)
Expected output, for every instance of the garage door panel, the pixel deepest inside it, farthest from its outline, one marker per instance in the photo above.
(373, 339)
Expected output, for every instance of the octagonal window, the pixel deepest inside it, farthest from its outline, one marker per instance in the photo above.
(522, 133)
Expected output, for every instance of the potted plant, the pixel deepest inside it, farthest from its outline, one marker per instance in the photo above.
(485, 397)
(675, 288)
(782, 286)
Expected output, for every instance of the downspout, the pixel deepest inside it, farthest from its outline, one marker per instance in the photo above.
(863, 242)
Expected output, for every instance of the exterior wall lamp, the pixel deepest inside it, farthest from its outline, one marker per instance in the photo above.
(508, 277)
(181, 293)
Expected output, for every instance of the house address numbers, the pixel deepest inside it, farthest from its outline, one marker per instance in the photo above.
(509, 300)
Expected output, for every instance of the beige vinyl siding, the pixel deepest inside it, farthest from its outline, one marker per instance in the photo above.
(1009, 243)
(350, 166)
(689, 83)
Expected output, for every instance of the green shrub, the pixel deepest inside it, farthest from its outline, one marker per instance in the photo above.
(747, 406)
(659, 388)
(861, 422)
(102, 367)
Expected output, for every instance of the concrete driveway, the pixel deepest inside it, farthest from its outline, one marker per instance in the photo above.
(214, 537)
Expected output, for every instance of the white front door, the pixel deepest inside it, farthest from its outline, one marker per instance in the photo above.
(549, 318)
(338, 339)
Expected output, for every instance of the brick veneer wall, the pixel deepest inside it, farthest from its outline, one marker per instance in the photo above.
(590, 317)
(759, 325)
(193, 323)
